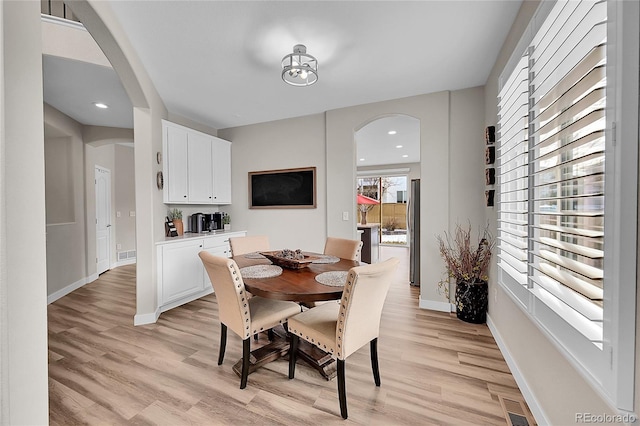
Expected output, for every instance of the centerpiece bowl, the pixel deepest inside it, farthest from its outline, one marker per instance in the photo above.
(280, 258)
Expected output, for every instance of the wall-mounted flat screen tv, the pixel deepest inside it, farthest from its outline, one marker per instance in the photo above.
(283, 189)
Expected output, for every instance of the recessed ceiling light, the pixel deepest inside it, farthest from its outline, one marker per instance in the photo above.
(405, 156)
(392, 132)
(398, 146)
(101, 105)
(362, 159)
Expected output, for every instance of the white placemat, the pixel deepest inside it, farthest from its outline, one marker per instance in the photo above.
(254, 255)
(332, 278)
(325, 258)
(260, 271)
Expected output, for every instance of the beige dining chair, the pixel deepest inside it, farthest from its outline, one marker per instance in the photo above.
(343, 248)
(342, 329)
(249, 244)
(243, 315)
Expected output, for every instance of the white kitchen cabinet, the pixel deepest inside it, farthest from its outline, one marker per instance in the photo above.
(200, 168)
(218, 246)
(181, 275)
(221, 171)
(197, 166)
(176, 186)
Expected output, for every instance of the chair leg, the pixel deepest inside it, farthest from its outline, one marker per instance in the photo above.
(223, 342)
(285, 325)
(342, 389)
(270, 335)
(373, 345)
(246, 351)
(293, 351)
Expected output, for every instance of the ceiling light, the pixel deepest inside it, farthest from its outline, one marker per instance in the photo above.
(362, 159)
(398, 146)
(101, 105)
(405, 156)
(299, 68)
(392, 132)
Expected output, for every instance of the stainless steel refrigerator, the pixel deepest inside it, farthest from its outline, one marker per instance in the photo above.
(413, 224)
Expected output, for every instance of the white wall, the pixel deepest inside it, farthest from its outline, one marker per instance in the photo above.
(297, 142)
(23, 285)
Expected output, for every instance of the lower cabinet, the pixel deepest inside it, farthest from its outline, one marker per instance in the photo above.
(181, 275)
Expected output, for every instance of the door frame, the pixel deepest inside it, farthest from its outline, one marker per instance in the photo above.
(99, 171)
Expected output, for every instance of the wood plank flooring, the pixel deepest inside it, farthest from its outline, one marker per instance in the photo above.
(434, 368)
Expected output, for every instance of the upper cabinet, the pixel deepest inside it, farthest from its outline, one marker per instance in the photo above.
(197, 166)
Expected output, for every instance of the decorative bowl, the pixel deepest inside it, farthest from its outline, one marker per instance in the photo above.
(276, 259)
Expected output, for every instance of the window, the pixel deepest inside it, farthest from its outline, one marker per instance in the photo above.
(556, 165)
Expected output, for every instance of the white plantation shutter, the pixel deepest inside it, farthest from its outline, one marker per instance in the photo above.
(567, 165)
(568, 157)
(513, 171)
(551, 169)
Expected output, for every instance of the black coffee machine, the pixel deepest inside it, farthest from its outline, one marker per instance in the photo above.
(198, 223)
(213, 221)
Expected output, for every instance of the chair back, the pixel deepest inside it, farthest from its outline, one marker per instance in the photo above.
(233, 308)
(361, 305)
(243, 245)
(343, 248)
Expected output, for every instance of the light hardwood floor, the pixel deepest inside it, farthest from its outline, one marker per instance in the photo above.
(434, 368)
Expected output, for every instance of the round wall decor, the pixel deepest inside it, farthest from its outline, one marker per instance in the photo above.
(160, 180)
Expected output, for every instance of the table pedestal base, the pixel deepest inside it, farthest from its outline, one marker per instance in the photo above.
(316, 358)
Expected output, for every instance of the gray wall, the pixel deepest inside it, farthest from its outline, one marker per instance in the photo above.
(65, 202)
(284, 144)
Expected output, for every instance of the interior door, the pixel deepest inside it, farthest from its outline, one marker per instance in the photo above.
(103, 218)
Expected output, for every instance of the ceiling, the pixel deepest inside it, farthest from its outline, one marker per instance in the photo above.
(218, 62)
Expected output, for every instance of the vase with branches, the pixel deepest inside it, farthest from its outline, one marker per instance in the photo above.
(467, 264)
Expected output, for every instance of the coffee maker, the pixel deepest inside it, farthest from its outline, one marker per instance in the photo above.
(198, 223)
(213, 221)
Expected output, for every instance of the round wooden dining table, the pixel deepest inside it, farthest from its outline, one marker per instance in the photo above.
(297, 285)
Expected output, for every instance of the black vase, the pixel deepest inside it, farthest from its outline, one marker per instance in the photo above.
(472, 300)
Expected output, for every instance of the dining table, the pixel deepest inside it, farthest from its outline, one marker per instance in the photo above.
(303, 285)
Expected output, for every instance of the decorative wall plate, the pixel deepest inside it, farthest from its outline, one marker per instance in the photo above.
(160, 180)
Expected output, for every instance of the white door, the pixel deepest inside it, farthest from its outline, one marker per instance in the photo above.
(103, 218)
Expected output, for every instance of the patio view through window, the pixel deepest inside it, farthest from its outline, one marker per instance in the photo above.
(391, 213)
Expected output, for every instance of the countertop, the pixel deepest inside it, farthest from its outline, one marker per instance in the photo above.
(192, 235)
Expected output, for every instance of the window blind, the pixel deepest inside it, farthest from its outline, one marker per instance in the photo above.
(551, 157)
(513, 170)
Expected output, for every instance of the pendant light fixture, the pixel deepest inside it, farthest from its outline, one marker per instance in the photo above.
(299, 68)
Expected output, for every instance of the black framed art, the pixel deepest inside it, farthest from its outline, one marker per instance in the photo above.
(283, 189)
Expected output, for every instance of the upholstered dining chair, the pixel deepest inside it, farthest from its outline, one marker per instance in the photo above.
(248, 244)
(343, 248)
(341, 329)
(243, 315)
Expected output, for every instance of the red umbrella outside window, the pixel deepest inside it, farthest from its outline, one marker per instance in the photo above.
(364, 205)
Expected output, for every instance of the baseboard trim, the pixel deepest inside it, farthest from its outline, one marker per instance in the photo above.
(91, 278)
(434, 305)
(123, 263)
(143, 319)
(66, 290)
(529, 397)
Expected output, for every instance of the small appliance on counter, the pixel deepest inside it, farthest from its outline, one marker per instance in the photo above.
(197, 223)
(213, 221)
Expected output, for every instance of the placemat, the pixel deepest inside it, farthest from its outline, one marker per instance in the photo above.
(325, 258)
(332, 278)
(254, 255)
(260, 271)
